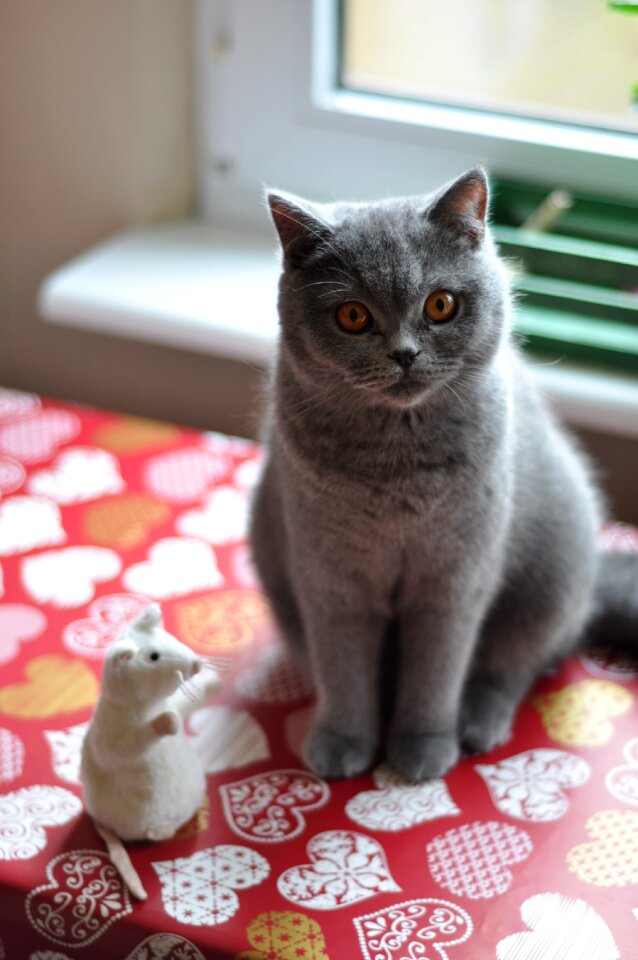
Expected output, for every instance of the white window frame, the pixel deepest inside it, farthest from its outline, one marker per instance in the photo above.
(270, 113)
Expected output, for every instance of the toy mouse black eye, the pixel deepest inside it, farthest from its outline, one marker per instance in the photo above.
(154, 656)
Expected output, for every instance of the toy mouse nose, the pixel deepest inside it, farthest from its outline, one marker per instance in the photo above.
(404, 357)
(196, 667)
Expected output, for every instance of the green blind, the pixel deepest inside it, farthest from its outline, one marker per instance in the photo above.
(574, 260)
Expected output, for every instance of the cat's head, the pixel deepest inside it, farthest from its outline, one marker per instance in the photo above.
(394, 297)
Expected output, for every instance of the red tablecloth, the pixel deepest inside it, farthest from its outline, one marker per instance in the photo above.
(529, 853)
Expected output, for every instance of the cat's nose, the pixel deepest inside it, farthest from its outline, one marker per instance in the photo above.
(405, 357)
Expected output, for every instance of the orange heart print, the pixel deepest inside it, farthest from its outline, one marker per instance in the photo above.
(53, 685)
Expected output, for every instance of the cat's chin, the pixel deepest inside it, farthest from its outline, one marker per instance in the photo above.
(406, 392)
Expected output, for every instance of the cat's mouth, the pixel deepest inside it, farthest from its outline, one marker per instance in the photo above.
(412, 387)
(408, 389)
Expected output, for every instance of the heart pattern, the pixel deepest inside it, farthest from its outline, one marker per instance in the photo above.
(531, 785)
(610, 664)
(581, 714)
(53, 685)
(345, 868)
(124, 522)
(15, 404)
(200, 889)
(297, 726)
(473, 860)
(242, 567)
(270, 807)
(27, 523)
(78, 474)
(84, 897)
(222, 519)
(67, 578)
(559, 927)
(273, 677)
(224, 738)
(25, 813)
(128, 435)
(38, 436)
(19, 624)
(175, 566)
(247, 473)
(12, 475)
(399, 805)
(11, 755)
(184, 475)
(284, 935)
(402, 931)
(223, 623)
(66, 750)
(362, 882)
(622, 782)
(107, 617)
(611, 858)
(165, 946)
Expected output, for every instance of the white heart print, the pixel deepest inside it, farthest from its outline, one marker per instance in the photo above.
(345, 868)
(27, 523)
(175, 566)
(200, 889)
(560, 928)
(398, 805)
(78, 474)
(26, 812)
(67, 578)
(531, 785)
(622, 782)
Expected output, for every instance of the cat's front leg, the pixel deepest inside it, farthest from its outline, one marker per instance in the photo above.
(436, 645)
(345, 650)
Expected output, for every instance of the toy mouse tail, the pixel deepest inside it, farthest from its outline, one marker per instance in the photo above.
(122, 862)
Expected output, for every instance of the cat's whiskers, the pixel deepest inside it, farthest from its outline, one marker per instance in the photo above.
(328, 394)
(321, 283)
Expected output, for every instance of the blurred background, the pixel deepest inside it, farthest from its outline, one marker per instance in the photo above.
(129, 115)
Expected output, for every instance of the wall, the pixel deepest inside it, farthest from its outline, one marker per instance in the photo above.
(96, 135)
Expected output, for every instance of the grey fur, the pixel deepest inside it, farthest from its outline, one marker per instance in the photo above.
(443, 500)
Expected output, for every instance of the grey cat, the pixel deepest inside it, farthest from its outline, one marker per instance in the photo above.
(418, 499)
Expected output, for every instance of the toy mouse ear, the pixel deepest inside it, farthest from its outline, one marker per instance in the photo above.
(122, 654)
(462, 207)
(300, 230)
(151, 618)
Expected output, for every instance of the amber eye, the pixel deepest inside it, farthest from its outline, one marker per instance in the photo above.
(440, 306)
(353, 317)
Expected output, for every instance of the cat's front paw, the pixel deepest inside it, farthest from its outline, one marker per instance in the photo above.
(333, 755)
(486, 718)
(422, 756)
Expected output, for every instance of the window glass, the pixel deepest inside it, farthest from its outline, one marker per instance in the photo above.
(575, 61)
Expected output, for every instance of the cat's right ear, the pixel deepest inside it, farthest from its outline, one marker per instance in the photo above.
(300, 231)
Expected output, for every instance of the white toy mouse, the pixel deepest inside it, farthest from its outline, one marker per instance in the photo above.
(142, 779)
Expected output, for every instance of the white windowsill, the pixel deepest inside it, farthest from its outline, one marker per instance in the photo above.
(202, 288)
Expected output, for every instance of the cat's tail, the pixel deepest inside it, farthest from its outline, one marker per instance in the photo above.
(121, 861)
(615, 617)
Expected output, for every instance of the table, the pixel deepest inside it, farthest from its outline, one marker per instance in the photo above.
(528, 853)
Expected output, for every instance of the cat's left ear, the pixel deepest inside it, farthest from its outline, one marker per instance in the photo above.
(462, 207)
(300, 230)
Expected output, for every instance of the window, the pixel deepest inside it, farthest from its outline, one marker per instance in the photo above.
(574, 61)
(294, 95)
